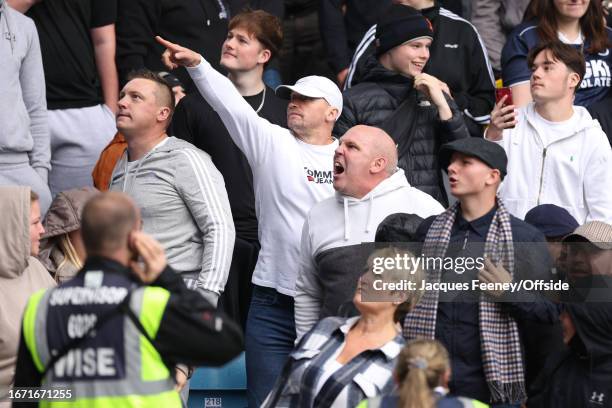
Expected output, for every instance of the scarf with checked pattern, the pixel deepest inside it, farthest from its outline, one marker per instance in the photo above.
(499, 336)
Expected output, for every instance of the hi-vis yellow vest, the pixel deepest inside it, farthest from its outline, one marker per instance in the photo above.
(146, 382)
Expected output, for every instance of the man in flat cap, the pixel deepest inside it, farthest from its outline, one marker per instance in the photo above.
(590, 250)
(469, 323)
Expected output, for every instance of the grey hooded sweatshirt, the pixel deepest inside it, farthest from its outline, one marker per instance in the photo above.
(184, 205)
(24, 131)
(20, 275)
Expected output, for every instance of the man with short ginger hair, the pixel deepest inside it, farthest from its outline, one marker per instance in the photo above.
(178, 189)
(369, 187)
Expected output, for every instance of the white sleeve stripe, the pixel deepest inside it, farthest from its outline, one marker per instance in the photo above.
(212, 206)
(218, 260)
(453, 16)
(359, 51)
(479, 119)
(526, 81)
(526, 29)
(220, 263)
(222, 257)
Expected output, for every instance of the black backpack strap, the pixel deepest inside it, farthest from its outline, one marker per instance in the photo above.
(401, 123)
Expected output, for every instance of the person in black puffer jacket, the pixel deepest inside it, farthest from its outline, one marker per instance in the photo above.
(413, 107)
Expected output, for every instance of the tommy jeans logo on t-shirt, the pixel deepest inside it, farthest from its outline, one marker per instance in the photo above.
(318, 176)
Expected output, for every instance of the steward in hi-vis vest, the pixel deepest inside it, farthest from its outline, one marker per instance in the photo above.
(107, 338)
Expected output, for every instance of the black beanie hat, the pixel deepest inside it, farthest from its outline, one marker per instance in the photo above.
(400, 24)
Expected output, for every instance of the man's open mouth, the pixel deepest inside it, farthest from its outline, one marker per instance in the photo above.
(338, 168)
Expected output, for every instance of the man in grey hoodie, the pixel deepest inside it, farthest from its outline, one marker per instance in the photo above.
(179, 191)
(25, 152)
(369, 187)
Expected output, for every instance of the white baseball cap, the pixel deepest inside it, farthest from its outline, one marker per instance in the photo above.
(315, 87)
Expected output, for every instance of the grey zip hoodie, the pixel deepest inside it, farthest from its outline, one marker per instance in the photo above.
(24, 131)
(184, 205)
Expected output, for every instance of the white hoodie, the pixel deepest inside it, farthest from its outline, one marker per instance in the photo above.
(337, 223)
(573, 171)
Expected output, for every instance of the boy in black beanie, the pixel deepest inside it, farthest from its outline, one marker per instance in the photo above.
(415, 108)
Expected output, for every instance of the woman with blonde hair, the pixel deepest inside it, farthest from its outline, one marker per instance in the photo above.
(62, 251)
(422, 373)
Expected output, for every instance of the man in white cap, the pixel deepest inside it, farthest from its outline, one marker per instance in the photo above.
(292, 170)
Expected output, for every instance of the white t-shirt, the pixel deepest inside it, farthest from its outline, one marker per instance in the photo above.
(329, 368)
(289, 177)
(549, 131)
(577, 41)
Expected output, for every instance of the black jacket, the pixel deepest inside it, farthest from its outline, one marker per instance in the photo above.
(457, 56)
(343, 23)
(196, 122)
(191, 331)
(200, 25)
(377, 97)
(581, 375)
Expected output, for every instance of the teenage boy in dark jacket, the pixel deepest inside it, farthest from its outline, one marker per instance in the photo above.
(458, 58)
(413, 107)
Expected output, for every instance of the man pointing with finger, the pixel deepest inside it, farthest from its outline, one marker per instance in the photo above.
(292, 170)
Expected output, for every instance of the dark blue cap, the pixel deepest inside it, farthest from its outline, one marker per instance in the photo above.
(551, 220)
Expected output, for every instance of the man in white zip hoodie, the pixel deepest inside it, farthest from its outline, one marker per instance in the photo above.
(292, 170)
(369, 187)
(557, 154)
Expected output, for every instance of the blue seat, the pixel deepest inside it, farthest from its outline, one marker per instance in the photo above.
(219, 387)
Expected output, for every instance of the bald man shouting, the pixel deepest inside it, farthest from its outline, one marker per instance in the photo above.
(369, 187)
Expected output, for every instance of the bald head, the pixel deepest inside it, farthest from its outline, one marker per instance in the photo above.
(377, 143)
(107, 221)
(365, 157)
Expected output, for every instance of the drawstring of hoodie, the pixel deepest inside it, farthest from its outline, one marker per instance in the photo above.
(125, 159)
(347, 224)
(369, 217)
(126, 171)
(347, 229)
(9, 32)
